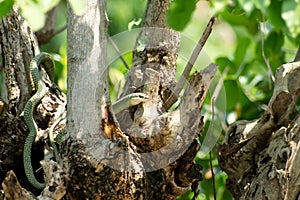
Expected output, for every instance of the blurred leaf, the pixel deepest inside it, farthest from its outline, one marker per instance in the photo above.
(252, 22)
(218, 6)
(78, 6)
(247, 5)
(235, 10)
(273, 48)
(179, 13)
(262, 4)
(274, 14)
(251, 89)
(241, 50)
(232, 94)
(35, 11)
(224, 62)
(291, 15)
(188, 195)
(119, 20)
(48, 4)
(5, 7)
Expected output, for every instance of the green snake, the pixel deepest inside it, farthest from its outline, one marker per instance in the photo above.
(41, 89)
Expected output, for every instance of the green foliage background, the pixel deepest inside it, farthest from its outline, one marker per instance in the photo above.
(248, 36)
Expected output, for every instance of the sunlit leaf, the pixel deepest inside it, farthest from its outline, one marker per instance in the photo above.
(35, 11)
(48, 4)
(34, 15)
(291, 15)
(78, 6)
(247, 5)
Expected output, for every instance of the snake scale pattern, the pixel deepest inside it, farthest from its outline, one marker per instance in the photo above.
(47, 61)
(41, 90)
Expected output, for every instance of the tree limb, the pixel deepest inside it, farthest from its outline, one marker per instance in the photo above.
(175, 94)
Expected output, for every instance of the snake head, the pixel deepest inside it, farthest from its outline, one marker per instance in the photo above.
(137, 98)
(128, 101)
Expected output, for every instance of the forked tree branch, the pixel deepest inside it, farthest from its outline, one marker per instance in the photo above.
(174, 96)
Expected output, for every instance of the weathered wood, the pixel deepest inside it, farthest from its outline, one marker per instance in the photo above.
(13, 190)
(261, 157)
(19, 45)
(153, 156)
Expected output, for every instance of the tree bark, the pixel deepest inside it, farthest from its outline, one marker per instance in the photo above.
(18, 46)
(261, 157)
(103, 156)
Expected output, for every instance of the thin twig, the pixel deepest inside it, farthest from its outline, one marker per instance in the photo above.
(271, 76)
(195, 189)
(174, 96)
(118, 51)
(59, 30)
(217, 91)
(210, 154)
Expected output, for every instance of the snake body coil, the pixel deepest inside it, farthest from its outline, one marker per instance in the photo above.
(41, 90)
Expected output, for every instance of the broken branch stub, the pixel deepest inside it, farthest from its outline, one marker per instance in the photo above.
(265, 149)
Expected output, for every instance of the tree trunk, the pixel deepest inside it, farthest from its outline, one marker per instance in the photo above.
(116, 164)
(144, 152)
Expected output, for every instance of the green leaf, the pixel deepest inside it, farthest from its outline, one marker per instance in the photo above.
(234, 16)
(35, 11)
(273, 48)
(291, 15)
(218, 6)
(251, 89)
(179, 13)
(78, 6)
(262, 4)
(274, 14)
(274, 42)
(241, 50)
(224, 62)
(232, 94)
(235, 10)
(48, 4)
(34, 15)
(5, 7)
(247, 5)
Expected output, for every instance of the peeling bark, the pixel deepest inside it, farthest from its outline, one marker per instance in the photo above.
(152, 157)
(261, 157)
(19, 45)
(114, 162)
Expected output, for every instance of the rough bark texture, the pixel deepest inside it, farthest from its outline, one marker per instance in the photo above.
(103, 156)
(261, 157)
(111, 162)
(18, 46)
